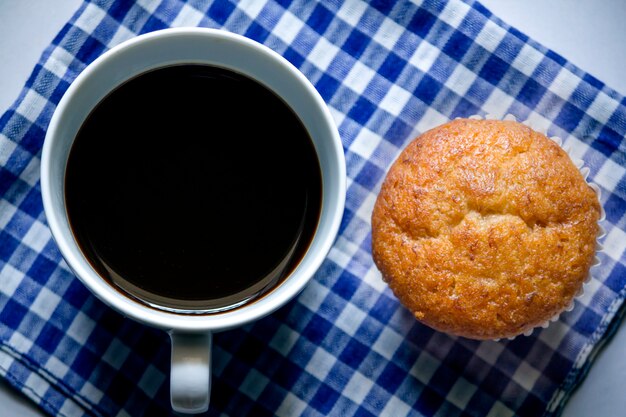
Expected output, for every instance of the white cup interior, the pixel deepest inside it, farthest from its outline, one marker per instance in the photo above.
(201, 46)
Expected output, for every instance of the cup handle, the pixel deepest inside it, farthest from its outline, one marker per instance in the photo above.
(190, 379)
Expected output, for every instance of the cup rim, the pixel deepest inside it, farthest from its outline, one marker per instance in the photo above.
(280, 295)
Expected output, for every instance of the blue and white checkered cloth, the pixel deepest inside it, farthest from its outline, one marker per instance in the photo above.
(344, 347)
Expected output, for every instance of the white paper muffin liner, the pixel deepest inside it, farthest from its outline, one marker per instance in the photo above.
(584, 171)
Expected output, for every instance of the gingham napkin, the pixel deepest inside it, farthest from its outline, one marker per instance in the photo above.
(344, 347)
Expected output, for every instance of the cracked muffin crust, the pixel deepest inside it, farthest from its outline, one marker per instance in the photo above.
(484, 228)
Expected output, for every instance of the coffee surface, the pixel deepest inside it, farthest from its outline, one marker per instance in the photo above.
(193, 187)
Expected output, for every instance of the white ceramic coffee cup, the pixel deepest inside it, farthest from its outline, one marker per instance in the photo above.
(191, 333)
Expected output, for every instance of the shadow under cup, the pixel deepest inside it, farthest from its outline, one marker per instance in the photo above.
(203, 47)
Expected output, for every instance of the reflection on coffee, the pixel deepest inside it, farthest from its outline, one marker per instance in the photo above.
(192, 187)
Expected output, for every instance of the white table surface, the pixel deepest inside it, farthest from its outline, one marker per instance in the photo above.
(589, 33)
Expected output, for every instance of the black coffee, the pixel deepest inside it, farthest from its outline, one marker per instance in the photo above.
(193, 187)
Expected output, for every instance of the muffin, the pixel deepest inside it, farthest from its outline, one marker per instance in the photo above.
(484, 228)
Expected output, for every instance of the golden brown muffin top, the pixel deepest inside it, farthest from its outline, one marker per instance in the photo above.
(484, 228)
